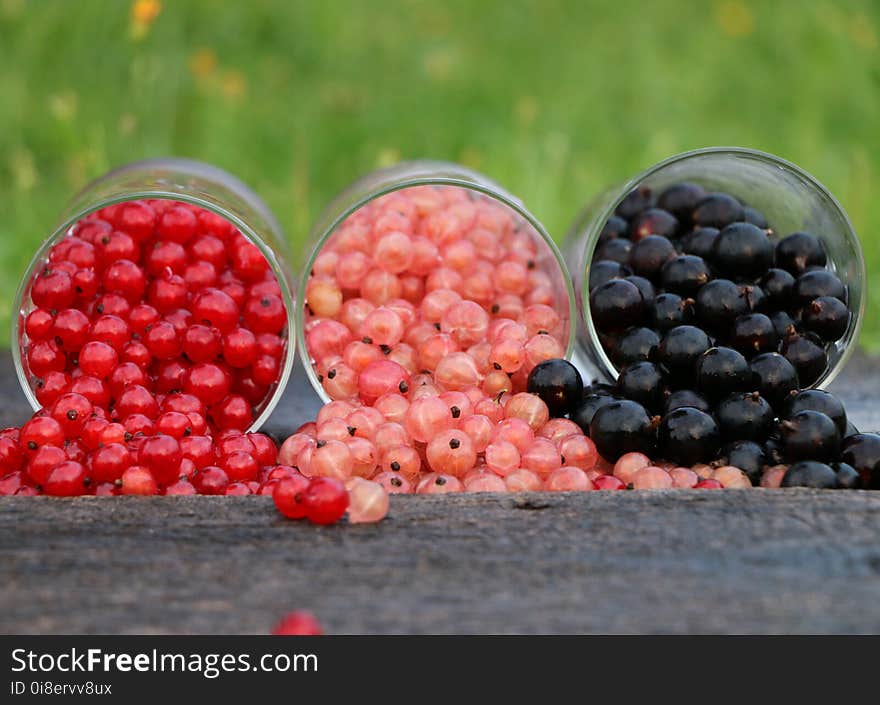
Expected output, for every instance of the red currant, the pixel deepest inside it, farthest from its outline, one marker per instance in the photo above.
(109, 462)
(71, 329)
(98, 359)
(326, 500)
(67, 479)
(201, 343)
(40, 431)
(72, 411)
(210, 480)
(289, 496)
(162, 455)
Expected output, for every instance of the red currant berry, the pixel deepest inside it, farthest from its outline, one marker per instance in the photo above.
(71, 329)
(124, 375)
(180, 318)
(136, 399)
(180, 488)
(210, 480)
(201, 343)
(270, 344)
(215, 308)
(90, 229)
(174, 424)
(38, 324)
(67, 479)
(164, 255)
(200, 275)
(93, 389)
(137, 219)
(265, 314)
(198, 449)
(125, 278)
(239, 347)
(72, 411)
(167, 292)
(138, 425)
(138, 480)
(109, 462)
(40, 431)
(210, 249)
(326, 500)
(248, 262)
(162, 341)
(138, 353)
(208, 382)
(75, 450)
(115, 246)
(98, 359)
(91, 433)
(111, 304)
(215, 225)
(170, 375)
(51, 386)
(233, 412)
(265, 450)
(141, 317)
(106, 489)
(184, 403)
(43, 462)
(237, 489)
(265, 370)
(111, 330)
(45, 357)
(112, 433)
(86, 283)
(239, 466)
(11, 458)
(178, 224)
(298, 624)
(289, 496)
(233, 442)
(53, 290)
(162, 455)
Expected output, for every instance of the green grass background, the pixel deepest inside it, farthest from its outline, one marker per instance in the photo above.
(555, 99)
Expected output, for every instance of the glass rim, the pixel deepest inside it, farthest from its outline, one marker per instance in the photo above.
(489, 189)
(857, 318)
(72, 218)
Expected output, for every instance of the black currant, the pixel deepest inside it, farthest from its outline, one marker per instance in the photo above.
(848, 477)
(636, 345)
(745, 417)
(616, 250)
(680, 348)
(616, 305)
(748, 456)
(653, 221)
(686, 397)
(798, 251)
(642, 382)
(582, 414)
(752, 334)
(810, 473)
(755, 217)
(742, 251)
(558, 383)
(635, 202)
(649, 255)
(807, 355)
(614, 227)
(684, 274)
(688, 436)
(816, 400)
(809, 435)
(647, 289)
(827, 317)
(622, 426)
(670, 310)
(603, 271)
(717, 210)
(722, 371)
(815, 283)
(718, 304)
(681, 199)
(778, 286)
(774, 377)
(783, 324)
(699, 242)
(862, 451)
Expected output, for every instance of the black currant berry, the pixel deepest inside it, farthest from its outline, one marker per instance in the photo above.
(798, 251)
(807, 355)
(681, 199)
(616, 250)
(810, 473)
(778, 286)
(722, 371)
(603, 271)
(745, 417)
(684, 275)
(755, 217)
(642, 382)
(653, 221)
(582, 414)
(815, 283)
(717, 210)
(748, 456)
(809, 435)
(848, 477)
(688, 436)
(558, 383)
(686, 397)
(616, 305)
(816, 400)
(622, 426)
(644, 286)
(636, 345)
(719, 303)
(700, 242)
(649, 255)
(783, 324)
(862, 451)
(774, 377)
(680, 348)
(742, 251)
(670, 310)
(753, 334)
(614, 227)
(635, 202)
(827, 317)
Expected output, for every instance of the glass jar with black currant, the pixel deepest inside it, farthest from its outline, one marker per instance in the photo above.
(719, 248)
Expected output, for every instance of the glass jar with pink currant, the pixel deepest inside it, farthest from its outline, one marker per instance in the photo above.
(164, 288)
(429, 277)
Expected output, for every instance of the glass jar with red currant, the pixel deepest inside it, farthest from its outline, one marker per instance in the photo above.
(163, 287)
(428, 275)
(714, 268)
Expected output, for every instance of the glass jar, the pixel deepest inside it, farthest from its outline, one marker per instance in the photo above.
(425, 180)
(791, 199)
(189, 182)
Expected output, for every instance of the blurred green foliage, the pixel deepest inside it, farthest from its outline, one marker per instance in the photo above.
(555, 99)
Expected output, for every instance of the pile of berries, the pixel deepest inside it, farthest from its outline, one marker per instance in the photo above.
(433, 285)
(715, 327)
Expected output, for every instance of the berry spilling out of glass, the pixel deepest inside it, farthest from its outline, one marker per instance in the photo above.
(150, 306)
(717, 328)
(433, 287)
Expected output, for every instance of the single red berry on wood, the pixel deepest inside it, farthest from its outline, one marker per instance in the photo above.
(289, 496)
(298, 624)
(326, 500)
